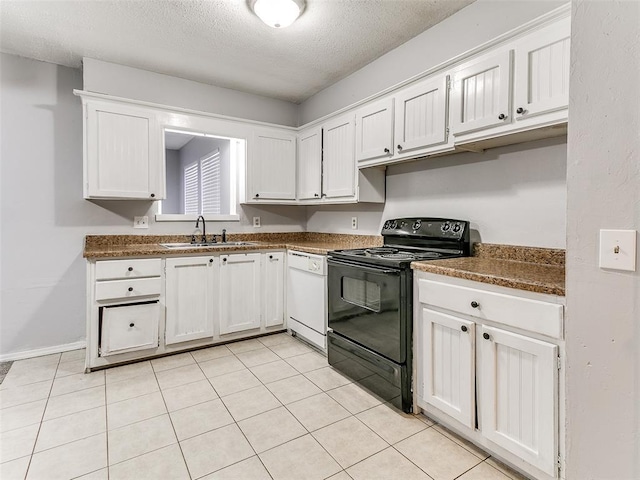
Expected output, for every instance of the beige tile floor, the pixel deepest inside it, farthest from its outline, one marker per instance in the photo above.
(258, 409)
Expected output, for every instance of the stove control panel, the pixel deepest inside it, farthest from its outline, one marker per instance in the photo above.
(426, 227)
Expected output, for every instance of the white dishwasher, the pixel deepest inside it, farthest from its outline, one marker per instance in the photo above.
(307, 296)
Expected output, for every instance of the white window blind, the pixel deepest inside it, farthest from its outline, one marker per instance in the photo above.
(210, 183)
(191, 189)
(202, 185)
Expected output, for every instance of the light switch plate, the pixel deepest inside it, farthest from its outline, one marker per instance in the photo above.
(141, 222)
(618, 249)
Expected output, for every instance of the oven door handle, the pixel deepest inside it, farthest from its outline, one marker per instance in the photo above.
(360, 266)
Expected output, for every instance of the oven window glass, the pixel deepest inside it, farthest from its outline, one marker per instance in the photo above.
(361, 293)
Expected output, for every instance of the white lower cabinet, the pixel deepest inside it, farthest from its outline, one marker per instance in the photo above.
(448, 380)
(497, 383)
(240, 305)
(138, 308)
(519, 395)
(273, 289)
(191, 305)
(125, 309)
(128, 328)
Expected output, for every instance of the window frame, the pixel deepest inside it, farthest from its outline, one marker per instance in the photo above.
(238, 149)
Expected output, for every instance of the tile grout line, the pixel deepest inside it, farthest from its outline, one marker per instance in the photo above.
(282, 405)
(435, 430)
(245, 436)
(506, 474)
(237, 426)
(106, 424)
(35, 442)
(171, 419)
(454, 440)
(303, 426)
(342, 469)
(367, 427)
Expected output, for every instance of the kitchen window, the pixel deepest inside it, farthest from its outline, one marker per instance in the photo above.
(202, 172)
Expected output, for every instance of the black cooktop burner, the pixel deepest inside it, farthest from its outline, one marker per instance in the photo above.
(429, 255)
(380, 251)
(399, 256)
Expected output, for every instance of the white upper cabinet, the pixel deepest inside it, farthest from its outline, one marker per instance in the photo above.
(410, 123)
(310, 164)
(190, 289)
(421, 115)
(481, 93)
(518, 87)
(271, 168)
(327, 167)
(339, 168)
(240, 305)
(374, 130)
(542, 71)
(122, 157)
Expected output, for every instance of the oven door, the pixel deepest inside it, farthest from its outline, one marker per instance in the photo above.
(368, 305)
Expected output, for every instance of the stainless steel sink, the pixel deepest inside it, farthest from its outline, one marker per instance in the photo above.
(177, 246)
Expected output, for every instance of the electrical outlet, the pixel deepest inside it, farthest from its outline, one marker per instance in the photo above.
(354, 223)
(256, 222)
(618, 249)
(141, 222)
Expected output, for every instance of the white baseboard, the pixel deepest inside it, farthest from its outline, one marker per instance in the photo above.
(39, 352)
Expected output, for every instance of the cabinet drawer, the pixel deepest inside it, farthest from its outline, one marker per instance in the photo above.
(136, 287)
(531, 315)
(126, 328)
(112, 269)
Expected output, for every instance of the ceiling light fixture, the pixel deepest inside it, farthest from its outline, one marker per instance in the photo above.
(278, 13)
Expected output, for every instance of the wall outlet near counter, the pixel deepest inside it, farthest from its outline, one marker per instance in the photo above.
(354, 223)
(256, 222)
(141, 222)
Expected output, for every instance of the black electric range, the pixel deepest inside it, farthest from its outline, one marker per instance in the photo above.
(370, 299)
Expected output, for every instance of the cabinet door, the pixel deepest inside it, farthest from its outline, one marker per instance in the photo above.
(239, 292)
(310, 164)
(273, 289)
(338, 160)
(190, 290)
(128, 328)
(374, 130)
(272, 166)
(542, 71)
(122, 157)
(481, 93)
(519, 395)
(448, 365)
(421, 115)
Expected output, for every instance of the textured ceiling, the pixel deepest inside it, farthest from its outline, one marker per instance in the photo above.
(220, 42)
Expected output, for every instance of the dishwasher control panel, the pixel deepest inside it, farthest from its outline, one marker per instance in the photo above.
(307, 262)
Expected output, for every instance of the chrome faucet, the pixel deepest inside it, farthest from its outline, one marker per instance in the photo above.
(204, 229)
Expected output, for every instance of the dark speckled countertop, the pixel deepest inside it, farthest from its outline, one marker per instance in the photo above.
(119, 246)
(533, 269)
